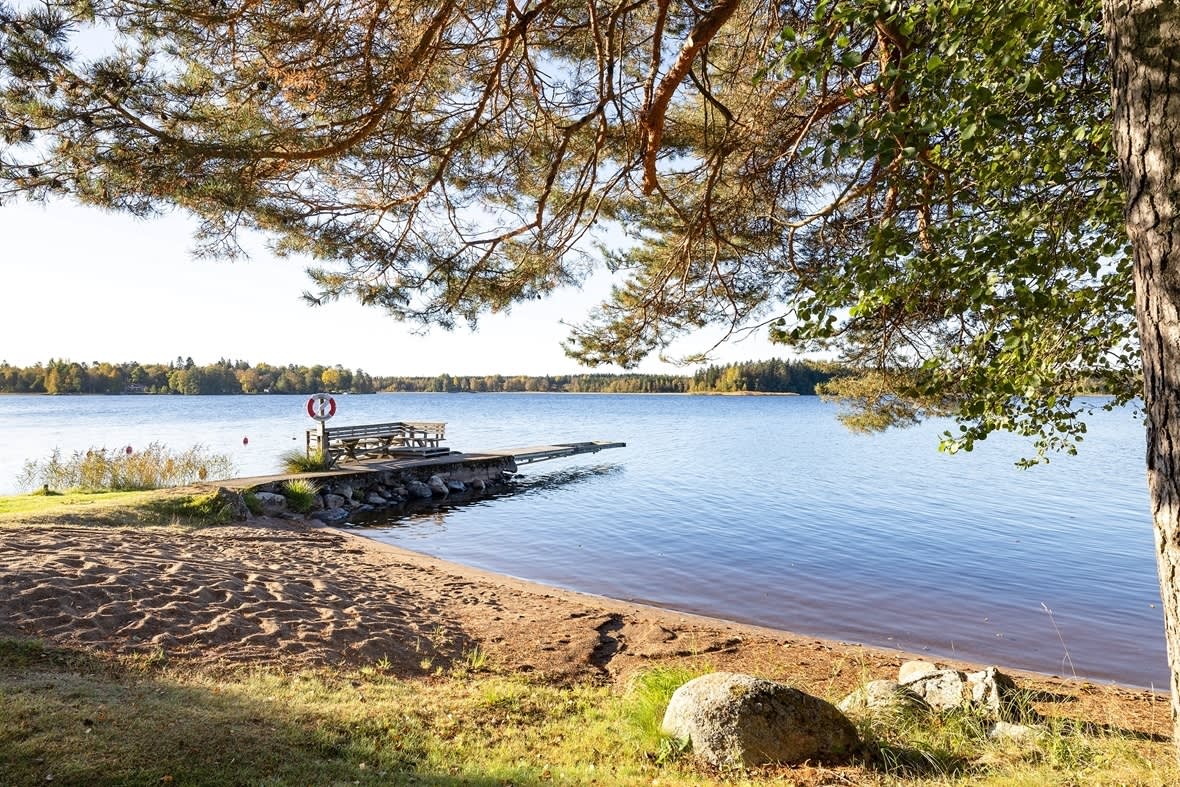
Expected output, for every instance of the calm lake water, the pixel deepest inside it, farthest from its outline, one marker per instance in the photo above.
(758, 509)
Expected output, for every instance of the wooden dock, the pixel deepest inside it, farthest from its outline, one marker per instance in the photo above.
(518, 456)
(420, 444)
(539, 453)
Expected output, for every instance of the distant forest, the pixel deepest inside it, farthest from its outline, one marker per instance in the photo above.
(182, 376)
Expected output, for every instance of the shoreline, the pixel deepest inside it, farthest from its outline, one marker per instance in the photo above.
(703, 618)
(288, 596)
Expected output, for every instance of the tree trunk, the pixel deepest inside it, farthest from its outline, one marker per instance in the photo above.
(1144, 38)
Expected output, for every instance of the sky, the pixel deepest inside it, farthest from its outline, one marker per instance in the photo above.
(87, 285)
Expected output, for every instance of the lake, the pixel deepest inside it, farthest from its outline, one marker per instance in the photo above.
(763, 510)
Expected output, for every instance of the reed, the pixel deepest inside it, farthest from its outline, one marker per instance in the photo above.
(103, 469)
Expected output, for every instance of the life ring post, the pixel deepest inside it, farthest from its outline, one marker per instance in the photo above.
(321, 407)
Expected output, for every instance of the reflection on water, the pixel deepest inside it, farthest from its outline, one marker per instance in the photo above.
(416, 513)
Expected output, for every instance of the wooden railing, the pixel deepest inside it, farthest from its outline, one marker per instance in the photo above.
(378, 441)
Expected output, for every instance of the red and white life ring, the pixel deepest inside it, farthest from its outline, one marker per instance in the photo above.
(321, 406)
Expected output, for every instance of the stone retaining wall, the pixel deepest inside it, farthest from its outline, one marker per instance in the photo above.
(344, 493)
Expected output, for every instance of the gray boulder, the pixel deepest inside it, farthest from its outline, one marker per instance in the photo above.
(881, 696)
(735, 720)
(912, 670)
(419, 490)
(942, 689)
(455, 485)
(437, 485)
(334, 501)
(995, 693)
(271, 503)
(233, 504)
(375, 499)
(331, 516)
(988, 690)
(478, 485)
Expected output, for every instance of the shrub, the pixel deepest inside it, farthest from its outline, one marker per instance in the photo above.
(100, 469)
(300, 494)
(296, 461)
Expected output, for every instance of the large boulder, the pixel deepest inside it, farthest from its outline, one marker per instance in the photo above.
(437, 485)
(735, 720)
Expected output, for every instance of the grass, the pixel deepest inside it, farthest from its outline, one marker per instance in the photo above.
(300, 494)
(296, 461)
(83, 719)
(100, 509)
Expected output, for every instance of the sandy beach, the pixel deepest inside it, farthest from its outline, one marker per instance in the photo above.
(297, 595)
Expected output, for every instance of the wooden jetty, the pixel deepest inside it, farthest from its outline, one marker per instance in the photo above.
(391, 463)
(539, 453)
(417, 443)
(405, 444)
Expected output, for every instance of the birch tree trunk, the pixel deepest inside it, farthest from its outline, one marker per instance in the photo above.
(1144, 38)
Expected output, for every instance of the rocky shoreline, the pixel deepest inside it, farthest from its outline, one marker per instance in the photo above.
(342, 495)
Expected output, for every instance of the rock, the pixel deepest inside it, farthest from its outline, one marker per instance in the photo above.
(335, 501)
(735, 720)
(912, 670)
(995, 693)
(271, 503)
(943, 689)
(232, 503)
(419, 490)
(478, 485)
(456, 486)
(331, 516)
(437, 485)
(885, 696)
(1003, 730)
(375, 499)
(989, 691)
(344, 490)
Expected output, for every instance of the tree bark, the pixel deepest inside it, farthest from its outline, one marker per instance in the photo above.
(1144, 39)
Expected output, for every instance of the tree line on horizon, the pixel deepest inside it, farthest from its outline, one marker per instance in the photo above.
(183, 376)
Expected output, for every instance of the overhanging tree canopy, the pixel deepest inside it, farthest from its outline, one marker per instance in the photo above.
(930, 187)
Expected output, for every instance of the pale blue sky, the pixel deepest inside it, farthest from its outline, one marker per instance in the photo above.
(87, 285)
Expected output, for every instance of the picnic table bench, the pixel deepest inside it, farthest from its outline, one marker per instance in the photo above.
(378, 441)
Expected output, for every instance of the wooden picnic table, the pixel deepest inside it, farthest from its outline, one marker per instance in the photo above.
(377, 441)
